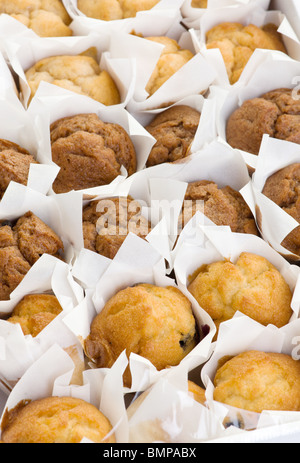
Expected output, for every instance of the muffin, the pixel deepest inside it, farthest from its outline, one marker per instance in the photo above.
(109, 10)
(275, 113)
(283, 188)
(34, 312)
(106, 224)
(151, 321)
(47, 18)
(223, 206)
(61, 420)
(257, 381)
(199, 3)
(237, 44)
(197, 392)
(174, 131)
(14, 164)
(252, 286)
(172, 58)
(21, 245)
(77, 73)
(89, 152)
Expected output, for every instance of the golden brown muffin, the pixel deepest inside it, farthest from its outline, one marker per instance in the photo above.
(252, 286)
(109, 10)
(224, 206)
(275, 113)
(172, 58)
(174, 131)
(89, 152)
(47, 18)
(64, 420)
(197, 392)
(106, 224)
(34, 312)
(199, 3)
(14, 164)
(258, 381)
(283, 188)
(154, 322)
(77, 73)
(237, 43)
(21, 245)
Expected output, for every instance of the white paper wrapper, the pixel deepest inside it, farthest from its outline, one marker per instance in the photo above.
(136, 262)
(23, 52)
(239, 335)
(268, 76)
(191, 15)
(158, 20)
(193, 78)
(274, 223)
(245, 14)
(49, 275)
(202, 244)
(55, 372)
(168, 413)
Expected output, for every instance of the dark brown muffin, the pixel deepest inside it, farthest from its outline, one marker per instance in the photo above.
(89, 152)
(275, 113)
(283, 188)
(14, 164)
(223, 206)
(174, 130)
(21, 246)
(107, 222)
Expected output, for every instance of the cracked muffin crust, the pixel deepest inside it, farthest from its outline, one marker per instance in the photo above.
(77, 73)
(258, 381)
(237, 44)
(172, 58)
(89, 152)
(174, 131)
(47, 18)
(154, 322)
(106, 224)
(21, 245)
(34, 312)
(65, 420)
(252, 286)
(14, 164)
(275, 113)
(223, 206)
(109, 10)
(283, 188)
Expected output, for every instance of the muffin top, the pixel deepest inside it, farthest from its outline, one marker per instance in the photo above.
(64, 420)
(89, 152)
(275, 113)
(237, 43)
(47, 18)
(109, 10)
(174, 131)
(258, 381)
(77, 73)
(154, 322)
(252, 286)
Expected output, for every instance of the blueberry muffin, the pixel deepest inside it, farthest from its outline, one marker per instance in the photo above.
(109, 10)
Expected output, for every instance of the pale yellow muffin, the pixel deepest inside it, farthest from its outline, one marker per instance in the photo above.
(154, 322)
(252, 286)
(34, 312)
(64, 420)
(258, 381)
(172, 58)
(108, 10)
(47, 18)
(237, 44)
(79, 73)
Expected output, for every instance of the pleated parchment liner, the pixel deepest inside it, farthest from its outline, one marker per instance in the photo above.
(274, 223)
(265, 77)
(24, 51)
(157, 21)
